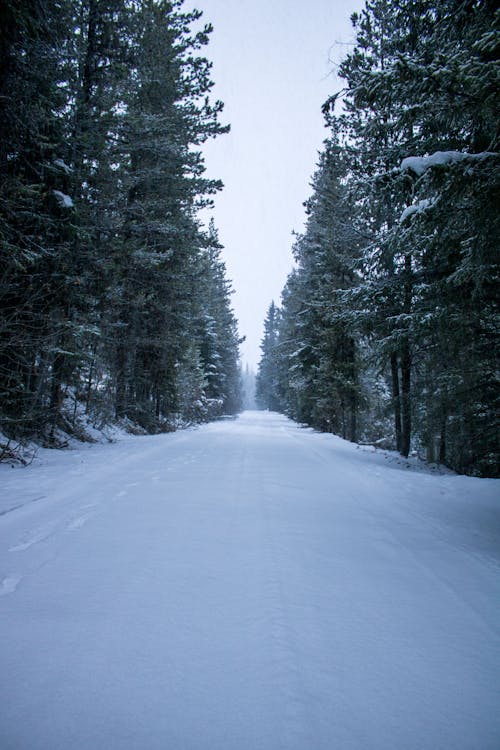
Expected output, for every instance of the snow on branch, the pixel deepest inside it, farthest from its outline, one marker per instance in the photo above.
(62, 165)
(415, 208)
(63, 200)
(419, 164)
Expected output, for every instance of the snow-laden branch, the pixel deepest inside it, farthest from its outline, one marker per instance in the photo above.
(419, 164)
(63, 200)
(415, 208)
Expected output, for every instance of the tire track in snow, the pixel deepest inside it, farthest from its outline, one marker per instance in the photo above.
(287, 677)
(43, 541)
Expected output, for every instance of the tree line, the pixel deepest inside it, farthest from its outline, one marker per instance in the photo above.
(113, 295)
(388, 327)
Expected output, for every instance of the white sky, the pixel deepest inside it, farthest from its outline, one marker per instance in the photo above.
(274, 66)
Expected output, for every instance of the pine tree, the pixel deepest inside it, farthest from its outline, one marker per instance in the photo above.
(325, 256)
(218, 334)
(36, 229)
(398, 258)
(267, 382)
(168, 116)
(104, 263)
(247, 377)
(420, 85)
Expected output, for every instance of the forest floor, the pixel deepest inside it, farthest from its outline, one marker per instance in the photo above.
(247, 585)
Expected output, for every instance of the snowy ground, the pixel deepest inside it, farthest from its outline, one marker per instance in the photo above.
(248, 585)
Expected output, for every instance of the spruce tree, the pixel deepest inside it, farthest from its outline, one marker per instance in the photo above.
(267, 382)
(104, 262)
(417, 138)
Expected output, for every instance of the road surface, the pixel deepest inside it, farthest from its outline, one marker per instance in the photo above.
(247, 585)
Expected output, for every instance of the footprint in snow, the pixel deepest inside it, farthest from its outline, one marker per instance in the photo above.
(39, 535)
(77, 523)
(9, 584)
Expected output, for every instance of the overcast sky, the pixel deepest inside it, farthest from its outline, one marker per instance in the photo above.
(274, 66)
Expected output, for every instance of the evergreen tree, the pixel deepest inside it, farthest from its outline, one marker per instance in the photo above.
(420, 82)
(218, 334)
(36, 229)
(267, 382)
(394, 298)
(247, 377)
(106, 273)
(324, 351)
(168, 114)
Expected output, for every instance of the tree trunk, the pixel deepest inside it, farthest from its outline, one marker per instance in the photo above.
(442, 442)
(55, 392)
(406, 364)
(89, 381)
(353, 425)
(405, 399)
(121, 381)
(396, 399)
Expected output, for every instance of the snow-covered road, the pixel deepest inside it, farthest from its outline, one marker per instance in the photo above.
(248, 585)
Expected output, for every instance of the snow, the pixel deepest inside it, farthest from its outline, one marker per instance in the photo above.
(62, 165)
(247, 585)
(415, 208)
(64, 200)
(419, 164)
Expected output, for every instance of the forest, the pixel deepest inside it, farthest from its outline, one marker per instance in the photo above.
(115, 302)
(387, 330)
(114, 299)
